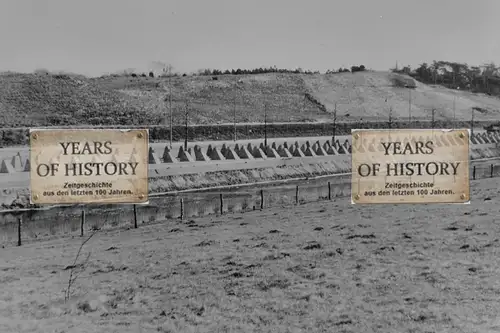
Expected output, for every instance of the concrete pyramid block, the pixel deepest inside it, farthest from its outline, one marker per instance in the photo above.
(320, 151)
(342, 150)
(309, 152)
(258, 153)
(216, 155)
(6, 167)
(168, 157)
(271, 152)
(185, 156)
(492, 139)
(283, 152)
(17, 162)
(297, 152)
(27, 166)
(231, 154)
(486, 138)
(243, 153)
(153, 157)
(209, 150)
(332, 151)
(180, 153)
(200, 155)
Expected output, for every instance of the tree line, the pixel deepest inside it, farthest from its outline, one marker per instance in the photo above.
(239, 71)
(274, 69)
(456, 75)
(261, 70)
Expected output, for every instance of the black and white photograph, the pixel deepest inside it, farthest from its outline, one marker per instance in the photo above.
(249, 166)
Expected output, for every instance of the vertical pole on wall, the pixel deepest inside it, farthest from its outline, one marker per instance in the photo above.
(135, 216)
(221, 204)
(329, 191)
(19, 222)
(182, 208)
(82, 223)
(297, 195)
(261, 199)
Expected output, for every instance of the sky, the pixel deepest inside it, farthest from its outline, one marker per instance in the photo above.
(95, 37)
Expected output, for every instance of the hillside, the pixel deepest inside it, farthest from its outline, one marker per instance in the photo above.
(39, 99)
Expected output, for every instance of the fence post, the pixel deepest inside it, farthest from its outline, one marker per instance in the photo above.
(135, 217)
(474, 172)
(221, 204)
(182, 208)
(297, 195)
(261, 199)
(329, 191)
(82, 223)
(491, 171)
(19, 222)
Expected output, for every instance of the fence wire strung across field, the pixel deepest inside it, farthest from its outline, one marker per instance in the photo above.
(21, 227)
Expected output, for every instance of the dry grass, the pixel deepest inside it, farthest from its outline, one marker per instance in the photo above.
(48, 99)
(363, 96)
(321, 267)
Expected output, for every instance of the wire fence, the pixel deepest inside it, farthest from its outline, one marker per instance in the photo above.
(78, 220)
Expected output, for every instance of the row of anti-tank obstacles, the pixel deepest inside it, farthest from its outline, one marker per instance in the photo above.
(252, 152)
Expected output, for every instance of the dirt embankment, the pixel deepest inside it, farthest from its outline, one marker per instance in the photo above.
(19, 198)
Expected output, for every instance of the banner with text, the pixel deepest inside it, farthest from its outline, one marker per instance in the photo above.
(82, 166)
(410, 166)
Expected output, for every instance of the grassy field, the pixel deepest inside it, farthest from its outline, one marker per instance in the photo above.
(319, 267)
(46, 99)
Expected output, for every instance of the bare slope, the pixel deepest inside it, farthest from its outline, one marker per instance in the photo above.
(30, 100)
(363, 96)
